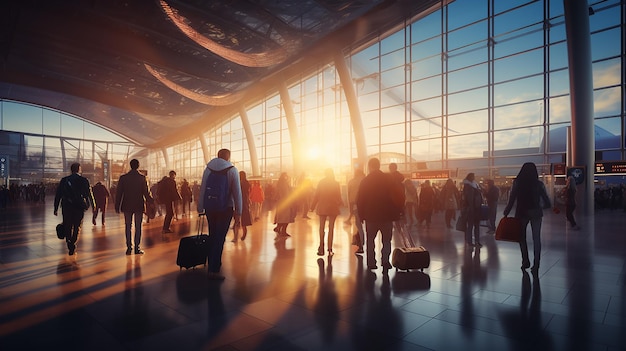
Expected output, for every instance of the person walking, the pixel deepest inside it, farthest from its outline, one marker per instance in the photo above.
(353, 190)
(257, 197)
(187, 197)
(101, 196)
(570, 201)
(471, 201)
(450, 198)
(377, 206)
(326, 202)
(246, 218)
(75, 197)
(130, 199)
(411, 202)
(426, 203)
(168, 195)
(286, 206)
(220, 199)
(492, 196)
(530, 196)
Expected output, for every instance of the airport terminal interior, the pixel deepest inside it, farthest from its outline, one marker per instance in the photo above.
(441, 88)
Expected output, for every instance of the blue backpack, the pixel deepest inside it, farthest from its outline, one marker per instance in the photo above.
(216, 191)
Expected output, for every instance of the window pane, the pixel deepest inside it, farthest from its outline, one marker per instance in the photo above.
(22, 118)
(518, 90)
(426, 150)
(607, 102)
(392, 134)
(469, 35)
(426, 68)
(468, 78)
(519, 41)
(605, 44)
(426, 108)
(523, 138)
(426, 129)
(559, 82)
(518, 18)
(606, 73)
(604, 18)
(426, 27)
(474, 145)
(558, 56)
(461, 13)
(392, 42)
(469, 122)
(467, 101)
(468, 56)
(392, 60)
(426, 88)
(518, 115)
(517, 66)
(560, 110)
(393, 115)
(608, 133)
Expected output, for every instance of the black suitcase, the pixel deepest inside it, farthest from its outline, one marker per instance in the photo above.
(193, 250)
(410, 256)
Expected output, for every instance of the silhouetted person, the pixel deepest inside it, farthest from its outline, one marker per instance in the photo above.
(187, 196)
(75, 197)
(426, 203)
(353, 190)
(286, 206)
(377, 207)
(471, 201)
(570, 201)
(450, 198)
(492, 195)
(132, 192)
(168, 195)
(530, 196)
(101, 197)
(326, 202)
(246, 218)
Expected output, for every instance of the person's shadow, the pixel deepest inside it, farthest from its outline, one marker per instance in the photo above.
(525, 328)
(326, 308)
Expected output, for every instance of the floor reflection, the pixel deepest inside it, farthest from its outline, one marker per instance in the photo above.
(279, 295)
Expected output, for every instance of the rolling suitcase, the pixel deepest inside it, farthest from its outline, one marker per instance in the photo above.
(192, 250)
(410, 256)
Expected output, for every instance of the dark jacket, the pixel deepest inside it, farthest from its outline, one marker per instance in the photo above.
(168, 192)
(531, 200)
(132, 191)
(374, 199)
(79, 185)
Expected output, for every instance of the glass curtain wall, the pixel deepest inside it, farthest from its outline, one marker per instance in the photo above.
(42, 143)
(474, 87)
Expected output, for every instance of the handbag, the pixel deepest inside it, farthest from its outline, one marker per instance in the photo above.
(60, 231)
(461, 223)
(509, 229)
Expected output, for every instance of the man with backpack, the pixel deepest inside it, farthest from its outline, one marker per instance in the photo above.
(75, 197)
(219, 199)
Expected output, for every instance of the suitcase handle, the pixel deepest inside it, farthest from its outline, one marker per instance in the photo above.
(407, 240)
(200, 222)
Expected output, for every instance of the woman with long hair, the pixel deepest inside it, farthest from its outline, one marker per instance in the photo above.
(246, 219)
(529, 193)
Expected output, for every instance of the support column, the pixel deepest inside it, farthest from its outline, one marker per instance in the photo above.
(205, 149)
(254, 159)
(581, 94)
(291, 125)
(353, 106)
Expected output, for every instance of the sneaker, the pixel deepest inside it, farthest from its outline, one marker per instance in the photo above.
(215, 276)
(139, 252)
(479, 244)
(320, 252)
(129, 251)
(93, 221)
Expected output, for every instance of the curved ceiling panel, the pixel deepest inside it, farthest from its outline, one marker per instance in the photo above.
(153, 70)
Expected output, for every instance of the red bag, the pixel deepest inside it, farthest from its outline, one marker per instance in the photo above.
(509, 229)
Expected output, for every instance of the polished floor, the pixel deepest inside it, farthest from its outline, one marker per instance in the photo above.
(279, 295)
